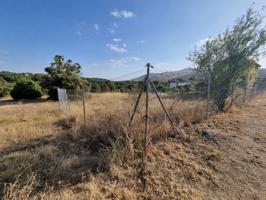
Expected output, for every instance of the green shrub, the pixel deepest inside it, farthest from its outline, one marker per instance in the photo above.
(104, 87)
(4, 87)
(4, 91)
(95, 88)
(26, 90)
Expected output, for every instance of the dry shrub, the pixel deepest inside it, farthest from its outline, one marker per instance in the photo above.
(47, 163)
(106, 132)
(71, 163)
(19, 190)
(67, 122)
(190, 112)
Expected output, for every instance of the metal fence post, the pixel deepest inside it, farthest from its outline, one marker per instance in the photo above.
(208, 93)
(84, 105)
(245, 91)
(147, 107)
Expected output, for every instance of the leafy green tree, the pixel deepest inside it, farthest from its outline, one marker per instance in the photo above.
(4, 88)
(26, 90)
(229, 56)
(110, 85)
(161, 87)
(95, 88)
(104, 87)
(12, 77)
(64, 75)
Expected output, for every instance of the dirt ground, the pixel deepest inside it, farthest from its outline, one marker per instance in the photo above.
(229, 165)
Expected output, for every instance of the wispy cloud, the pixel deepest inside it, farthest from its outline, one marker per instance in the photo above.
(117, 39)
(84, 28)
(124, 62)
(122, 13)
(113, 28)
(81, 28)
(116, 47)
(140, 42)
(96, 27)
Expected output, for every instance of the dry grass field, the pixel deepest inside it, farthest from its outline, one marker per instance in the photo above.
(47, 154)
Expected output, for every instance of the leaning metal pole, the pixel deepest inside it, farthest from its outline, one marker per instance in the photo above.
(167, 114)
(137, 102)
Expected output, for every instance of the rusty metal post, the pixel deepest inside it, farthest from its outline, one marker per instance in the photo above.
(84, 105)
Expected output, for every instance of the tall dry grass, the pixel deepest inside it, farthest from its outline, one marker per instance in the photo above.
(60, 150)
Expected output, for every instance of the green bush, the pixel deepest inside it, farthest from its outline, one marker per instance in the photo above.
(95, 88)
(4, 87)
(104, 87)
(4, 91)
(26, 90)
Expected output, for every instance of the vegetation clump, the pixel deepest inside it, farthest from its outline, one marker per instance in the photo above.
(63, 75)
(228, 57)
(4, 88)
(26, 90)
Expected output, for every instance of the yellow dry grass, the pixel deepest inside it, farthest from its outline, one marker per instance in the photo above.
(47, 154)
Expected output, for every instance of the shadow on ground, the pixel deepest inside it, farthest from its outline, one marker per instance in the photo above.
(64, 159)
(7, 102)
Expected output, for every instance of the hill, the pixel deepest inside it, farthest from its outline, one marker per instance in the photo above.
(96, 80)
(184, 74)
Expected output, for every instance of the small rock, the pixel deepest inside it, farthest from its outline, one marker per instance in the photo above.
(208, 134)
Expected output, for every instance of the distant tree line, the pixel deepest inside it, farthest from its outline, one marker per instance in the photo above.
(63, 74)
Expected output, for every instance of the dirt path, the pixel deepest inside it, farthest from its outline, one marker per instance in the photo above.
(232, 165)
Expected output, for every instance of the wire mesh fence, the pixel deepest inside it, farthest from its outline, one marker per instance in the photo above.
(187, 104)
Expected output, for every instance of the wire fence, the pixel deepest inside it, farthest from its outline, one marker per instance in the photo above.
(186, 103)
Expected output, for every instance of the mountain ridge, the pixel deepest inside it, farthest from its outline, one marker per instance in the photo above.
(184, 75)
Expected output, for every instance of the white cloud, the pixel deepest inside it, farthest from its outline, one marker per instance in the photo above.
(117, 39)
(133, 58)
(124, 62)
(140, 42)
(122, 13)
(96, 27)
(116, 47)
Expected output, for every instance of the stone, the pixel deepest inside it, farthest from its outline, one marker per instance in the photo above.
(208, 134)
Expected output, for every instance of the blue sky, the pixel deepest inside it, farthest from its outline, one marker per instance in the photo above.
(110, 38)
